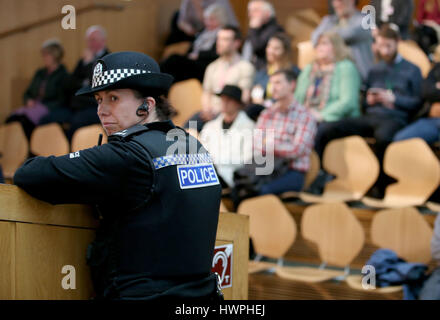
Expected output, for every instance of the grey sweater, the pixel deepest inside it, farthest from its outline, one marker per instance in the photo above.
(355, 36)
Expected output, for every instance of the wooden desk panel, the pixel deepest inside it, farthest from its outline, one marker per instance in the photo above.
(42, 252)
(7, 260)
(38, 239)
(234, 228)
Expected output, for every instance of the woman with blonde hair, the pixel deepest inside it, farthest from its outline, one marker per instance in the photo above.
(330, 85)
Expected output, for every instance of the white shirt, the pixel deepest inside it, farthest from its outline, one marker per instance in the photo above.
(230, 149)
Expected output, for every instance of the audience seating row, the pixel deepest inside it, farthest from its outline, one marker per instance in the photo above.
(45, 141)
(338, 234)
(411, 162)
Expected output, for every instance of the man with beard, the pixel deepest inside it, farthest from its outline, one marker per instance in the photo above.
(393, 97)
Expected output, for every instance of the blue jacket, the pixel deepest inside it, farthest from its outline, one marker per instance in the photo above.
(405, 81)
(394, 271)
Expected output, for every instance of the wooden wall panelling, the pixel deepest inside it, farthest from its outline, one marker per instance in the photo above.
(134, 28)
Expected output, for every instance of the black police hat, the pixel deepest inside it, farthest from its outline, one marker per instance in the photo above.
(128, 70)
(231, 91)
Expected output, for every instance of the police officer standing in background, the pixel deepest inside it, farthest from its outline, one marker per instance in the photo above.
(158, 200)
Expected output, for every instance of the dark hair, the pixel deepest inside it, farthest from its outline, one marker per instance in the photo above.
(290, 74)
(54, 48)
(237, 32)
(287, 46)
(389, 31)
(164, 109)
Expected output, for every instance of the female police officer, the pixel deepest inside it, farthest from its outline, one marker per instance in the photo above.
(158, 199)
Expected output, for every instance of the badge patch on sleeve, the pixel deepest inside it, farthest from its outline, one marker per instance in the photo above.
(197, 176)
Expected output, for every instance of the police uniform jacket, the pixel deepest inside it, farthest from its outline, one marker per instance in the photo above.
(158, 197)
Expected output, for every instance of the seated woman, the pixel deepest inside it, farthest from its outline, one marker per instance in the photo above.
(426, 128)
(188, 20)
(202, 51)
(46, 90)
(330, 86)
(278, 57)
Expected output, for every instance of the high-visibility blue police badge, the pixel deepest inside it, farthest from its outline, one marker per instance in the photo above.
(193, 170)
(197, 176)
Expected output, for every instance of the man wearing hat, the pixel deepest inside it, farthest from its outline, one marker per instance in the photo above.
(157, 222)
(228, 138)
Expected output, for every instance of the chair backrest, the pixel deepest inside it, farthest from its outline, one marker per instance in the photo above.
(186, 97)
(335, 230)
(87, 137)
(49, 140)
(353, 163)
(223, 208)
(271, 226)
(180, 48)
(411, 52)
(306, 53)
(14, 148)
(301, 24)
(404, 231)
(416, 169)
(312, 173)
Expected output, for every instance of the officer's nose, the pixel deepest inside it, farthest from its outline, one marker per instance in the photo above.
(103, 110)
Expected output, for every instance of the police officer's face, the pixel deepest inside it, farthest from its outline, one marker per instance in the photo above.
(117, 109)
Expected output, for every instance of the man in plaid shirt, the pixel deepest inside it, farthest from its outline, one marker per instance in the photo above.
(294, 130)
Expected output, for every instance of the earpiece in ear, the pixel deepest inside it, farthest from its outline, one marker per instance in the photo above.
(144, 107)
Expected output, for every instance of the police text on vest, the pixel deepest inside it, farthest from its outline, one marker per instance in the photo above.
(197, 176)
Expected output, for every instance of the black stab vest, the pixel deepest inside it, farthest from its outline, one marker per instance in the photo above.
(172, 235)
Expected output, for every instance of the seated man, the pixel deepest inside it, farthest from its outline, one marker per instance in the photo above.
(427, 128)
(82, 110)
(262, 26)
(230, 69)
(347, 22)
(399, 12)
(228, 138)
(294, 129)
(393, 97)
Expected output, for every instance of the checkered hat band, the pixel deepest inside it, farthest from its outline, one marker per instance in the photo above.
(181, 159)
(114, 75)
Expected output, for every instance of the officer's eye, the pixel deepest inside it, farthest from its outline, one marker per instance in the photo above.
(98, 100)
(113, 98)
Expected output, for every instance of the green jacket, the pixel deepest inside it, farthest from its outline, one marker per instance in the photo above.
(343, 101)
(54, 95)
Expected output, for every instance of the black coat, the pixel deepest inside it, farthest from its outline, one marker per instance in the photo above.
(158, 226)
(259, 39)
(402, 16)
(81, 76)
(53, 93)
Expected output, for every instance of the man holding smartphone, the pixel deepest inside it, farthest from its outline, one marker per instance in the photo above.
(393, 96)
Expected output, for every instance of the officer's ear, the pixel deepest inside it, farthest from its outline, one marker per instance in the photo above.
(151, 102)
